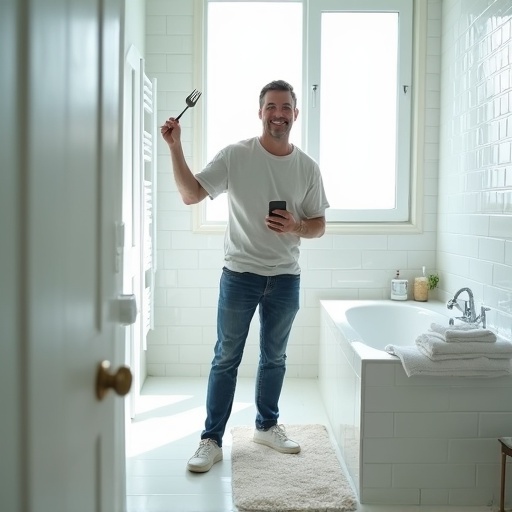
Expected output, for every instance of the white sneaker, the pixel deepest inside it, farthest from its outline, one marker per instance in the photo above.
(205, 457)
(275, 437)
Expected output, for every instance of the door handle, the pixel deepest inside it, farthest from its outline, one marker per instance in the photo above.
(120, 381)
(126, 309)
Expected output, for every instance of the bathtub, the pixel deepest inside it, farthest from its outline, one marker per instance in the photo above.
(408, 441)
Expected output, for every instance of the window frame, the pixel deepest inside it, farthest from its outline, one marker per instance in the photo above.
(414, 223)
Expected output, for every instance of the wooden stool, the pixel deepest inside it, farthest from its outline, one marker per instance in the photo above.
(506, 449)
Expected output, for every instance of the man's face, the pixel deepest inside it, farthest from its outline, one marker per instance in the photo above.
(278, 113)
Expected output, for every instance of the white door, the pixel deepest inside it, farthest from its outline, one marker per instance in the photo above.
(66, 180)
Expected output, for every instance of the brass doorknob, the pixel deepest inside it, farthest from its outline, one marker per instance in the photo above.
(120, 382)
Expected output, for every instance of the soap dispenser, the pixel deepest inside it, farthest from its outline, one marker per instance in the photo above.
(399, 287)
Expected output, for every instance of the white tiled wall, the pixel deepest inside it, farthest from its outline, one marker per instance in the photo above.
(335, 266)
(475, 170)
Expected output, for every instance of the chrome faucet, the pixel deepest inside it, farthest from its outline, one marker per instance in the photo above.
(469, 313)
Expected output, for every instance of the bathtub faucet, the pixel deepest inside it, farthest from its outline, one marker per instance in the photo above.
(469, 313)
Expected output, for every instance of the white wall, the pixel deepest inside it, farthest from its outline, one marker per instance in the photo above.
(134, 24)
(335, 266)
(475, 186)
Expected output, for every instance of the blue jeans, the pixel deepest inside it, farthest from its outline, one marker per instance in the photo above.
(239, 296)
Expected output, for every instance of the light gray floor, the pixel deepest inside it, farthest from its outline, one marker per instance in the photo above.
(165, 434)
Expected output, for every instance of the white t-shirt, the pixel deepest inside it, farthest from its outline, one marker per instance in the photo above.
(252, 177)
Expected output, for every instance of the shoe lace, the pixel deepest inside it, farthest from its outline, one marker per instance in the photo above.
(205, 447)
(279, 431)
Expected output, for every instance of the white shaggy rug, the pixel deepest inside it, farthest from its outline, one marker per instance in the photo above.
(265, 480)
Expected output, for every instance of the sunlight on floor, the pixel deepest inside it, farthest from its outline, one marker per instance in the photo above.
(165, 434)
(158, 426)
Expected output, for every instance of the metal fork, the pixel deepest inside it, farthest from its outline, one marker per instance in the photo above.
(191, 100)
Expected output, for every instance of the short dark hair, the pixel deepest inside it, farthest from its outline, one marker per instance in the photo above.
(278, 85)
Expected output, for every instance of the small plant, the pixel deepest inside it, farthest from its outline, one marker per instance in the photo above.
(433, 281)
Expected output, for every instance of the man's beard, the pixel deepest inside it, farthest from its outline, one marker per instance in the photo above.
(278, 131)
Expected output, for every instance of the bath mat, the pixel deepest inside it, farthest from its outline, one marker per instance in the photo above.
(265, 480)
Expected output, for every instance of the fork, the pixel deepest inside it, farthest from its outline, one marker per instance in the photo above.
(191, 101)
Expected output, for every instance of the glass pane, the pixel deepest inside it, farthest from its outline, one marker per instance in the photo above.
(248, 45)
(358, 111)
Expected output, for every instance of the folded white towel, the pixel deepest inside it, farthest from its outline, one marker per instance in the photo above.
(415, 363)
(464, 333)
(441, 329)
(432, 345)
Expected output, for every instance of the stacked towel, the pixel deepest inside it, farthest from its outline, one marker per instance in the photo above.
(464, 333)
(436, 348)
(456, 351)
(415, 363)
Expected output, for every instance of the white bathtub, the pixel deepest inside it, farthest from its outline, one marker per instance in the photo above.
(379, 323)
(408, 441)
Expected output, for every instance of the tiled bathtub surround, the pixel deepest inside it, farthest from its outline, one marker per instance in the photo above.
(426, 441)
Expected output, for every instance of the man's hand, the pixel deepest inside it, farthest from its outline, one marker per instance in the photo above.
(285, 223)
(171, 132)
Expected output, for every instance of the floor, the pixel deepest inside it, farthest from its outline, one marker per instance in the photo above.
(165, 434)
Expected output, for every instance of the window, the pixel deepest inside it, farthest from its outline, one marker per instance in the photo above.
(350, 62)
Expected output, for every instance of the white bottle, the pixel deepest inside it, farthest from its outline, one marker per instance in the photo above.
(399, 287)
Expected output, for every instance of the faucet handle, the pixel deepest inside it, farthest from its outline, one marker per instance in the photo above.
(482, 318)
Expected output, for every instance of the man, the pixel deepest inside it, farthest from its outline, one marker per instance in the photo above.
(261, 259)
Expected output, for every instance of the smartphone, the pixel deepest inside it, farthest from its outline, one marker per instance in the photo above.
(276, 205)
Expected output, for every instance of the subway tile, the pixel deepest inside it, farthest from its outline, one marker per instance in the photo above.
(197, 316)
(377, 475)
(405, 399)
(471, 451)
(316, 279)
(393, 496)
(481, 398)
(418, 259)
(378, 374)
(162, 354)
(445, 425)
(361, 278)
(502, 277)
(500, 226)
(183, 335)
(180, 259)
(169, 7)
(334, 259)
(194, 354)
(183, 63)
(378, 424)
(477, 497)
(155, 25)
(434, 497)
(361, 242)
(434, 476)
(491, 249)
(198, 278)
(480, 270)
(182, 297)
(179, 25)
(404, 451)
(384, 259)
(169, 44)
(155, 63)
